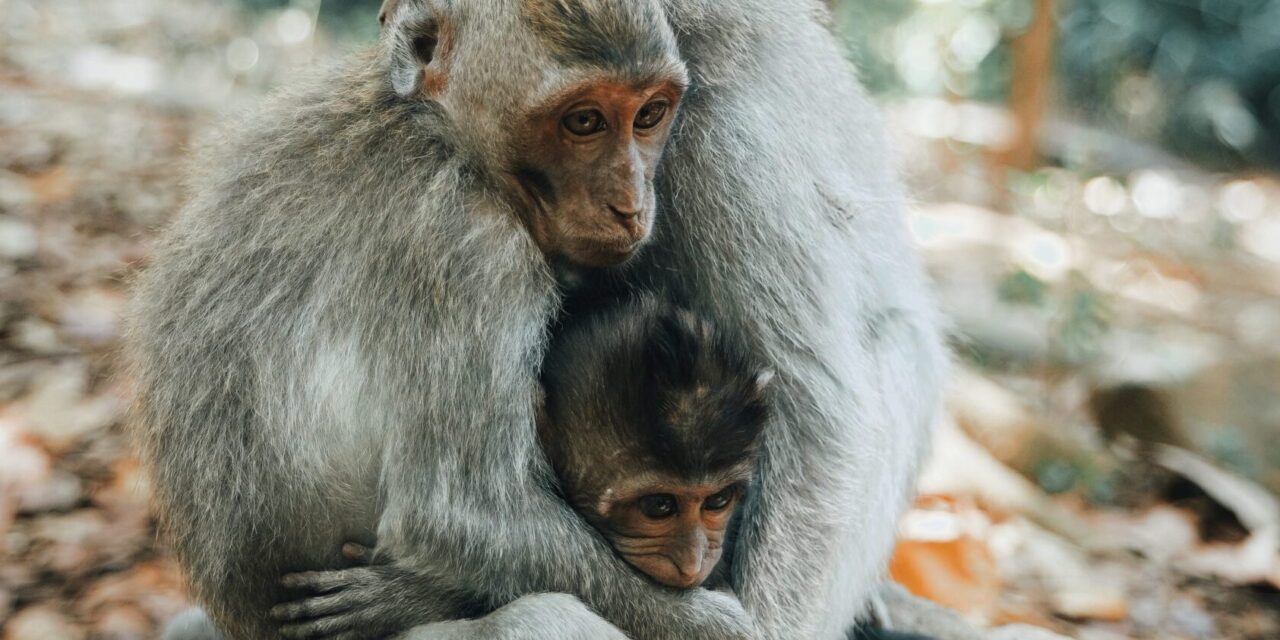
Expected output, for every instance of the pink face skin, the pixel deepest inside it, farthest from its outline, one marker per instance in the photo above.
(584, 169)
(671, 532)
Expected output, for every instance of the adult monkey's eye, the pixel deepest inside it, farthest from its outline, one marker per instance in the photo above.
(718, 501)
(651, 114)
(585, 122)
(657, 506)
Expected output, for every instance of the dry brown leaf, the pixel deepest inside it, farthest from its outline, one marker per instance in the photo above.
(52, 186)
(940, 558)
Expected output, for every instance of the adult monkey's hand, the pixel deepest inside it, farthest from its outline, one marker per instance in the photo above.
(374, 598)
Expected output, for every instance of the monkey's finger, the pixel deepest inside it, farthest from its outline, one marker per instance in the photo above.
(322, 581)
(358, 553)
(357, 634)
(311, 607)
(322, 627)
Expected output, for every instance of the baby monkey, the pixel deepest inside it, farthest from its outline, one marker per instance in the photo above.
(651, 421)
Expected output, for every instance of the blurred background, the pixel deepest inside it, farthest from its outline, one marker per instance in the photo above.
(1095, 194)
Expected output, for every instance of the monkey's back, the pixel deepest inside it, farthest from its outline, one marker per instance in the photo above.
(326, 239)
(783, 221)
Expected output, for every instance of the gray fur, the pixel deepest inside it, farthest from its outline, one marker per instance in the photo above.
(340, 336)
(782, 220)
(192, 624)
(545, 616)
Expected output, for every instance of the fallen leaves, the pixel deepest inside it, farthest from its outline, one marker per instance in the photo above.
(941, 557)
(987, 542)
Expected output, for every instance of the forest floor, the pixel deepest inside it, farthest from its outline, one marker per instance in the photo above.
(1109, 469)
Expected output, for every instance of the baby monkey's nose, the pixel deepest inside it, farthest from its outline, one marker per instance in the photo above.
(687, 576)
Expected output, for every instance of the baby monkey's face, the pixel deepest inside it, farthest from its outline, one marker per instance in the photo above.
(671, 531)
(651, 423)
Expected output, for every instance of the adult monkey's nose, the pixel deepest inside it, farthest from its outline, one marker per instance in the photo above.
(626, 210)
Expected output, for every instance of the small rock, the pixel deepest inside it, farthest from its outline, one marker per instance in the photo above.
(18, 240)
(14, 192)
(1149, 611)
(1103, 633)
(1023, 632)
(60, 491)
(37, 336)
(153, 588)
(124, 622)
(23, 466)
(128, 491)
(42, 622)
(93, 316)
(6, 605)
(15, 379)
(1189, 617)
(17, 576)
(1106, 604)
(69, 543)
(28, 152)
(61, 412)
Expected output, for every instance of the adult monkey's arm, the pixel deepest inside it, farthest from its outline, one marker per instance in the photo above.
(783, 220)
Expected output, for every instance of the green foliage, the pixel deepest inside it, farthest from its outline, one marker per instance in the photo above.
(1083, 322)
(1230, 448)
(1056, 476)
(1203, 76)
(1207, 72)
(1021, 287)
(933, 48)
(347, 18)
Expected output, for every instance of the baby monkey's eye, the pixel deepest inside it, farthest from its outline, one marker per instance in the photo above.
(651, 114)
(585, 122)
(657, 506)
(720, 500)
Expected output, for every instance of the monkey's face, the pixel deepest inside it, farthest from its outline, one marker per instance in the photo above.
(583, 168)
(673, 533)
(568, 104)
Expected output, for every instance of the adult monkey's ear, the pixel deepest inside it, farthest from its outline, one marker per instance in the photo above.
(388, 8)
(417, 37)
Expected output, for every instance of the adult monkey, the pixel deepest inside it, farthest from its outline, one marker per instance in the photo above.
(344, 328)
(782, 221)
(304, 297)
(342, 333)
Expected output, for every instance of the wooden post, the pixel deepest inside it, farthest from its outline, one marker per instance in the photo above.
(1032, 74)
